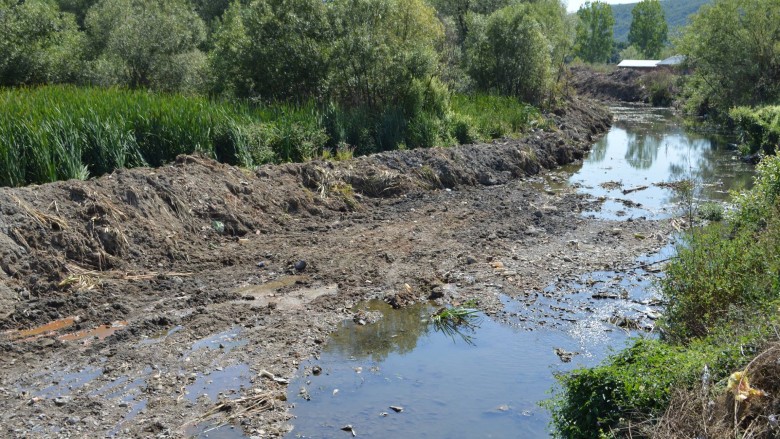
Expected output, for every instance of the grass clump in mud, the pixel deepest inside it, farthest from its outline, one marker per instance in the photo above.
(723, 293)
(459, 321)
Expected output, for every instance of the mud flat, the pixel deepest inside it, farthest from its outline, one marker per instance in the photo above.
(195, 291)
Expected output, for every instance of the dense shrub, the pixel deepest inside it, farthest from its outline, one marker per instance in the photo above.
(507, 53)
(758, 127)
(146, 43)
(38, 44)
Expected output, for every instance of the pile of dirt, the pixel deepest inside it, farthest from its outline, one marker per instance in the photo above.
(55, 238)
(623, 85)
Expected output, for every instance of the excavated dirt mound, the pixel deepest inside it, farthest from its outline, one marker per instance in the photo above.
(623, 85)
(147, 281)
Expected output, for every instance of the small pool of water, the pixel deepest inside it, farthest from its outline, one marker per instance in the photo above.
(450, 388)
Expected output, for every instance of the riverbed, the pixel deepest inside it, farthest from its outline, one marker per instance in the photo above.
(492, 382)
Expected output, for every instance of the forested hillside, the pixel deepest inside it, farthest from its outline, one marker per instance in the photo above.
(676, 11)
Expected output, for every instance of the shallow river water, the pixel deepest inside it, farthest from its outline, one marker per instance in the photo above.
(446, 387)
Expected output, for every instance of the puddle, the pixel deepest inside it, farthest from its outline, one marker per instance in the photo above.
(65, 383)
(648, 147)
(160, 337)
(228, 381)
(41, 331)
(226, 340)
(207, 429)
(52, 328)
(101, 332)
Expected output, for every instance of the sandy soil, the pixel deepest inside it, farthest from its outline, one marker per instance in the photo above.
(175, 280)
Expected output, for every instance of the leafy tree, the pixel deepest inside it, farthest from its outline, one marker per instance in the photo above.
(38, 43)
(272, 49)
(594, 32)
(508, 53)
(734, 47)
(380, 47)
(648, 28)
(146, 43)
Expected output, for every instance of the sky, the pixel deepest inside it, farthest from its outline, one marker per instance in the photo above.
(573, 5)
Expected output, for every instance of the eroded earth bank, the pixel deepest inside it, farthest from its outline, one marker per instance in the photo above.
(125, 299)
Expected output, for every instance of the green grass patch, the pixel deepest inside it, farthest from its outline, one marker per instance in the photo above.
(62, 132)
(483, 117)
(624, 395)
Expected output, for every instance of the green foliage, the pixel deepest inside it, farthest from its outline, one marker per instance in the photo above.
(275, 49)
(383, 51)
(630, 52)
(635, 385)
(508, 54)
(661, 86)
(734, 49)
(38, 44)
(593, 42)
(146, 43)
(648, 28)
(711, 211)
(485, 117)
(759, 127)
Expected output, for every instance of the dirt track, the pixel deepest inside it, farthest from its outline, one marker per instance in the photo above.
(173, 256)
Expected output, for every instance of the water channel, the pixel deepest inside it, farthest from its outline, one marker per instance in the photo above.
(444, 387)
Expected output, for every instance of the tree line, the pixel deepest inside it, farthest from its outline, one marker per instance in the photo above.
(372, 53)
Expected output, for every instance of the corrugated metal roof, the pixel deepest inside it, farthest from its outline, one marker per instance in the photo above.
(639, 63)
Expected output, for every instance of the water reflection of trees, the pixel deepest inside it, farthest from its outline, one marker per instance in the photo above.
(397, 331)
(642, 149)
(711, 164)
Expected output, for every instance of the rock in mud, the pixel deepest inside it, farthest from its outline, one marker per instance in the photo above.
(350, 429)
(300, 266)
(61, 400)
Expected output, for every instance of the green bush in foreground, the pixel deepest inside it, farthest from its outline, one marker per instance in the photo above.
(622, 396)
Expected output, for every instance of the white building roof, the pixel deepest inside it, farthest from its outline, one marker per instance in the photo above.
(639, 63)
(673, 60)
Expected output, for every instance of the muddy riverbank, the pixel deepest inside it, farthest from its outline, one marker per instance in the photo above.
(198, 289)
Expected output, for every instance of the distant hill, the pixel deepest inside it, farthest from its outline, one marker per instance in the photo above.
(676, 12)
